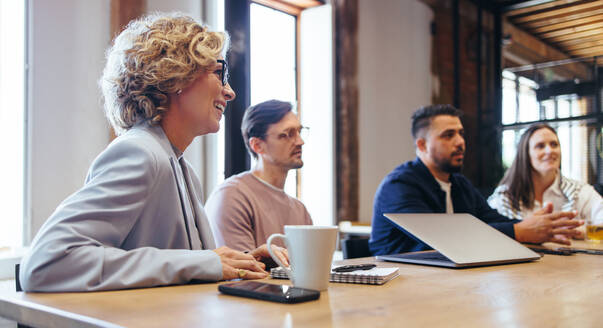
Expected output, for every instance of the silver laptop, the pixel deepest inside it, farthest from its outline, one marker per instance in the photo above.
(459, 240)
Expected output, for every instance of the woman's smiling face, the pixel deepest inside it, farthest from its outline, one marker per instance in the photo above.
(545, 152)
(204, 101)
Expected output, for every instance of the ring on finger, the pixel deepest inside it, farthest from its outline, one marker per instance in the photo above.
(242, 273)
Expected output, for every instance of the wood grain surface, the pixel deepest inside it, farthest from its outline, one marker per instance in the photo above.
(556, 291)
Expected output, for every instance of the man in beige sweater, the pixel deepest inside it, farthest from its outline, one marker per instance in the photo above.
(247, 208)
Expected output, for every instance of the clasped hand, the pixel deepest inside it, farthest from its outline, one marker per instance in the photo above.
(237, 264)
(545, 226)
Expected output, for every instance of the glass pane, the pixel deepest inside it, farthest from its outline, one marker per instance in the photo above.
(548, 109)
(529, 110)
(509, 75)
(563, 106)
(578, 152)
(527, 82)
(582, 106)
(509, 147)
(273, 62)
(273, 74)
(563, 132)
(12, 116)
(573, 138)
(509, 102)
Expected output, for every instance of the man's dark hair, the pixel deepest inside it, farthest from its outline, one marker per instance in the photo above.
(422, 117)
(258, 118)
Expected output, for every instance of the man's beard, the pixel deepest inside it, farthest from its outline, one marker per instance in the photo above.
(447, 166)
(297, 165)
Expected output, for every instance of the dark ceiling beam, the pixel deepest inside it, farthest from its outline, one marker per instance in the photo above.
(486, 5)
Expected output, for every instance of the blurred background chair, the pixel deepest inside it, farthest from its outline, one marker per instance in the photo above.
(17, 282)
(354, 238)
(354, 247)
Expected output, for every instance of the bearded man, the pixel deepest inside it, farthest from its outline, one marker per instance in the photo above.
(432, 184)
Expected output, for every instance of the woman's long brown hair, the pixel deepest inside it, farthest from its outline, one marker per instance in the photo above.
(518, 178)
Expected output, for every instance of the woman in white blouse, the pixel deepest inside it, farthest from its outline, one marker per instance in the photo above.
(534, 179)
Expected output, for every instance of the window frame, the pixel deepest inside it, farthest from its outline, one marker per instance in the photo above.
(593, 119)
(237, 19)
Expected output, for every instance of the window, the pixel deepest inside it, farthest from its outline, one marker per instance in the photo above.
(562, 96)
(291, 59)
(273, 68)
(12, 116)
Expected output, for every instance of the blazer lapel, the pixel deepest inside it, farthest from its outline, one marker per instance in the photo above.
(201, 222)
(197, 227)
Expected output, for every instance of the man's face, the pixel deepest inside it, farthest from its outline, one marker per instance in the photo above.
(445, 143)
(282, 145)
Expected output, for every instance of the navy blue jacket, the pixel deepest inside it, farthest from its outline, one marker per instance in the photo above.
(411, 188)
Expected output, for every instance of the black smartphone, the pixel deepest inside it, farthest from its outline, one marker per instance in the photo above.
(269, 292)
(544, 250)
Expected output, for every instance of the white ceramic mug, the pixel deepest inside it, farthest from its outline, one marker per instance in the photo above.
(310, 251)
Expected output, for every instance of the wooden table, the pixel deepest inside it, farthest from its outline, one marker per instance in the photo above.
(557, 291)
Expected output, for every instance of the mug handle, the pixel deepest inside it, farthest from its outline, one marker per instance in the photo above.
(274, 257)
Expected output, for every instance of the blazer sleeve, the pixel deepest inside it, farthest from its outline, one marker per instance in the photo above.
(397, 195)
(404, 195)
(78, 248)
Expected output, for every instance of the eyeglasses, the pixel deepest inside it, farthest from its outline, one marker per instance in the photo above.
(292, 134)
(223, 71)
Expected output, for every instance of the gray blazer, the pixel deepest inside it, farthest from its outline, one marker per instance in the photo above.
(126, 227)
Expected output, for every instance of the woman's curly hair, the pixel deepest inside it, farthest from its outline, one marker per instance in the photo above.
(154, 56)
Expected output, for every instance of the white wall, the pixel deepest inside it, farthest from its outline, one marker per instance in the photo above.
(67, 128)
(393, 79)
(317, 112)
(190, 7)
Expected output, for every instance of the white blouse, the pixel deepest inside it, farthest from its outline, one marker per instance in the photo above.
(588, 202)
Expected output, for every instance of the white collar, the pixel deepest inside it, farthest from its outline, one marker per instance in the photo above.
(555, 186)
(266, 183)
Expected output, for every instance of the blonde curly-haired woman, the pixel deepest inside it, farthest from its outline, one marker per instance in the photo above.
(138, 220)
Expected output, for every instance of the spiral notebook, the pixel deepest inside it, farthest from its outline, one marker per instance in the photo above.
(374, 276)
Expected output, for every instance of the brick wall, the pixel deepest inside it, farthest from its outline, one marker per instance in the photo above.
(443, 71)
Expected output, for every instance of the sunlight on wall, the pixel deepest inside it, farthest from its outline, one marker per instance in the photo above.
(273, 58)
(12, 119)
